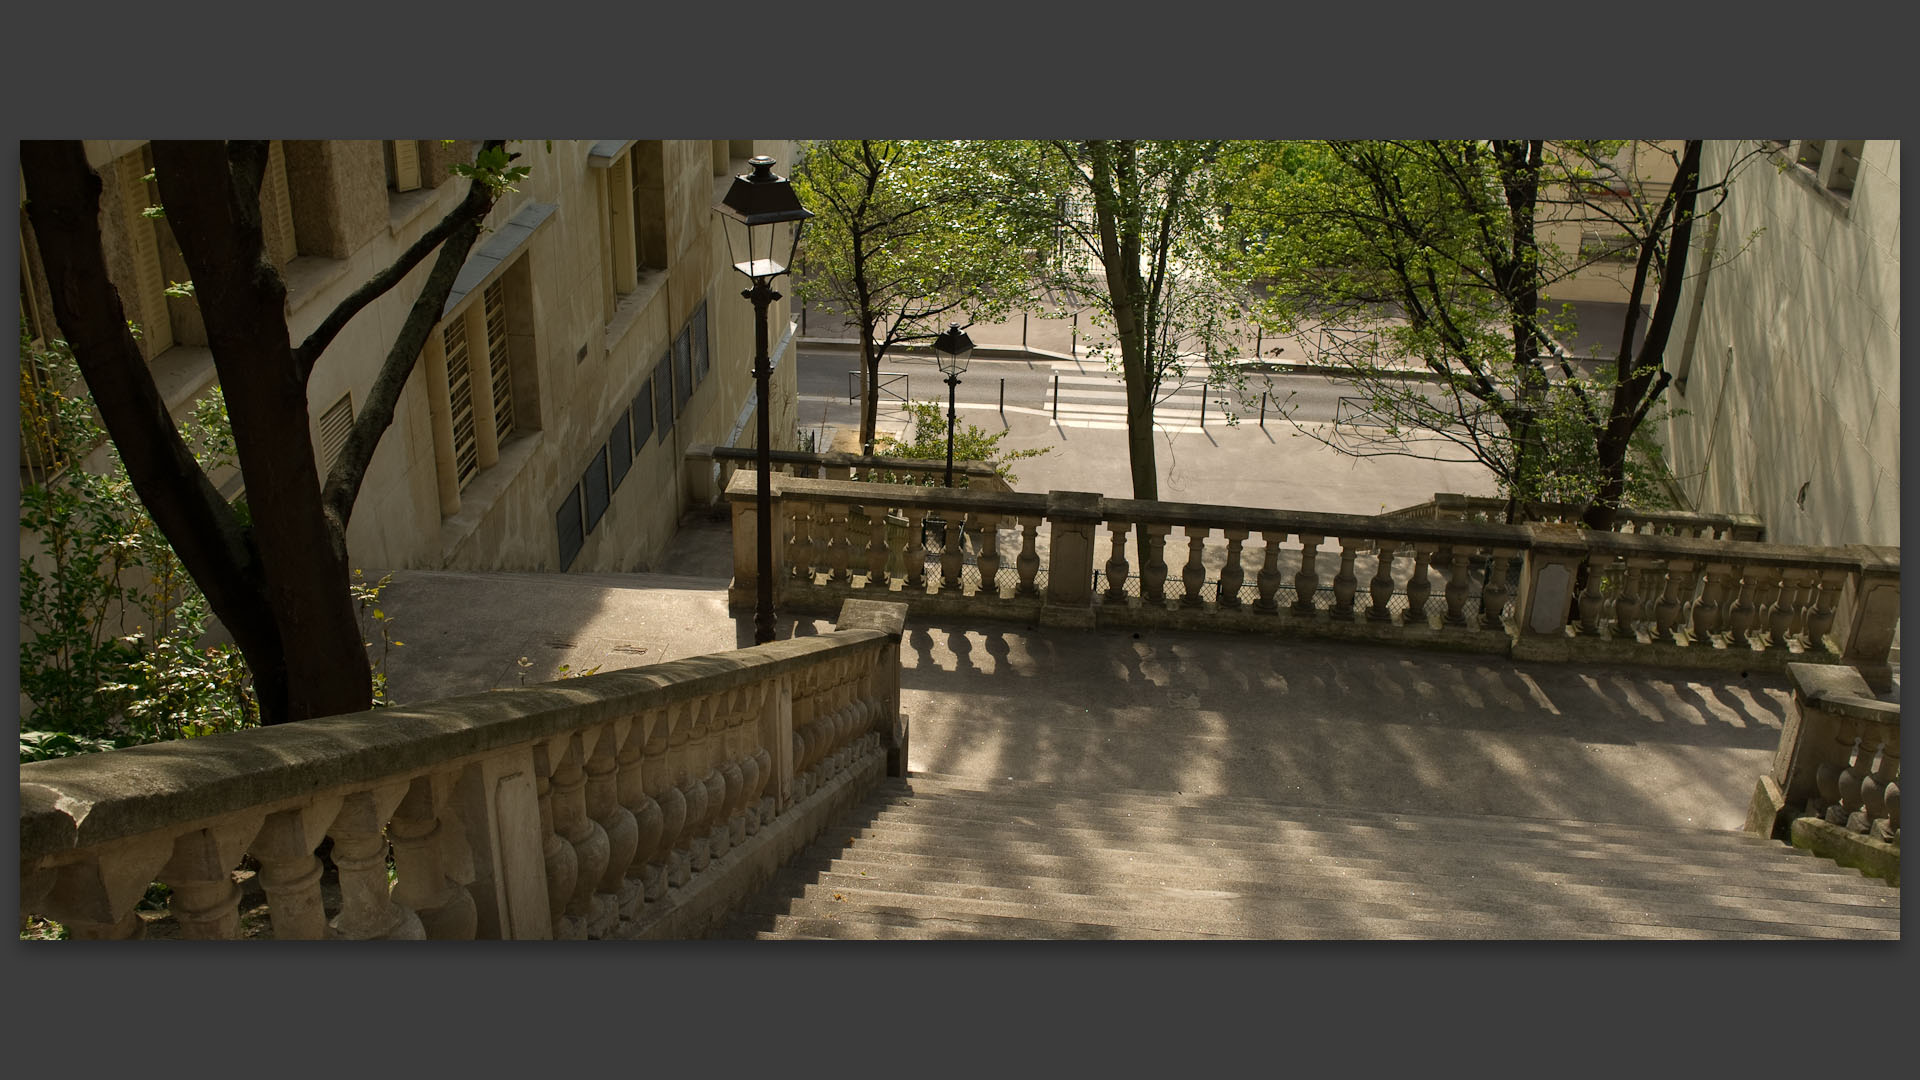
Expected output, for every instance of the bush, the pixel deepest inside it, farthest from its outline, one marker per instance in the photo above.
(970, 442)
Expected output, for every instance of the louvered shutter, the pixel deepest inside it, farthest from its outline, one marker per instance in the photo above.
(406, 165)
(466, 458)
(497, 356)
(335, 425)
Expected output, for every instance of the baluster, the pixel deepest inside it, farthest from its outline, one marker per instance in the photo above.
(839, 534)
(1153, 564)
(798, 564)
(916, 550)
(1028, 562)
(616, 822)
(97, 897)
(713, 776)
(1821, 614)
(421, 838)
(1741, 614)
(205, 900)
(876, 517)
(290, 872)
(953, 544)
(1193, 575)
(1780, 613)
(595, 913)
(1494, 590)
(635, 790)
(1419, 587)
(657, 777)
(1666, 611)
(1888, 828)
(367, 910)
(1706, 610)
(1593, 599)
(1455, 559)
(1345, 585)
(1306, 581)
(1380, 589)
(1233, 572)
(691, 847)
(1267, 582)
(1847, 784)
(987, 558)
(730, 825)
(1873, 789)
(1803, 585)
(1117, 563)
(747, 735)
(803, 688)
(1626, 605)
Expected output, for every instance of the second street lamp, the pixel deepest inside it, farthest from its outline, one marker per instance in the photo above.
(951, 350)
(755, 207)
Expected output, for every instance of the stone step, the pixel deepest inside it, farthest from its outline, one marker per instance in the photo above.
(963, 831)
(1506, 898)
(955, 857)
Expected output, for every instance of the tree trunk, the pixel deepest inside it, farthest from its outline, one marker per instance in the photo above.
(1118, 221)
(213, 207)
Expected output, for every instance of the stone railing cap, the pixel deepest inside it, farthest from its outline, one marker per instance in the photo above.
(888, 617)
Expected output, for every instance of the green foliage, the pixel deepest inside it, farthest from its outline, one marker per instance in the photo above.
(970, 443)
(493, 166)
(111, 624)
(375, 621)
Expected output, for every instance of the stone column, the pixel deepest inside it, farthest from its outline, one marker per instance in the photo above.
(1869, 613)
(1073, 517)
(1548, 570)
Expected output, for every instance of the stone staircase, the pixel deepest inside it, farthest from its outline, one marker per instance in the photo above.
(951, 857)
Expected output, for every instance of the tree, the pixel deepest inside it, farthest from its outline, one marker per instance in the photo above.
(1432, 251)
(901, 241)
(276, 576)
(1136, 220)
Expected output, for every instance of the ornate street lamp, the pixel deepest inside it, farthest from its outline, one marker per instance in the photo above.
(950, 351)
(756, 206)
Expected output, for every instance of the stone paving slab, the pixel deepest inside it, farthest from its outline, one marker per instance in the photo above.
(1306, 723)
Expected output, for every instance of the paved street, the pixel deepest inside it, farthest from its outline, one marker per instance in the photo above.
(1078, 408)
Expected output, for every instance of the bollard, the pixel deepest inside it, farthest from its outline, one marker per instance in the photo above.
(1074, 348)
(1257, 340)
(1203, 406)
(1003, 400)
(1023, 329)
(1056, 397)
(1263, 409)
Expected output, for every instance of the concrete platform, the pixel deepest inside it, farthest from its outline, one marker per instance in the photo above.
(1310, 724)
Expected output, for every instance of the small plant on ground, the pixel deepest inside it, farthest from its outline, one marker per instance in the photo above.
(971, 442)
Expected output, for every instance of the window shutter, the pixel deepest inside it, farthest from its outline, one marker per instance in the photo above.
(335, 425)
(406, 164)
(466, 455)
(156, 329)
(276, 208)
(497, 357)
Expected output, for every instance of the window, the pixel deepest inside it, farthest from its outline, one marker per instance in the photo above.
(700, 343)
(1832, 165)
(477, 343)
(594, 484)
(276, 208)
(566, 523)
(682, 369)
(335, 425)
(643, 416)
(137, 202)
(620, 450)
(663, 396)
(1618, 247)
(634, 240)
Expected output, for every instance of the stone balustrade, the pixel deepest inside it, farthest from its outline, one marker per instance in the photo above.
(1478, 508)
(1835, 782)
(1538, 591)
(635, 803)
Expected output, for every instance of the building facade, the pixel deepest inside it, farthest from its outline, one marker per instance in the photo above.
(595, 332)
(1786, 355)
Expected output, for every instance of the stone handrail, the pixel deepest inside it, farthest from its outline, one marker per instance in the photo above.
(636, 803)
(1450, 507)
(1835, 782)
(1541, 591)
(720, 462)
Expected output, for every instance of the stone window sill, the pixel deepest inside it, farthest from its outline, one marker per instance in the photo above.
(627, 311)
(480, 495)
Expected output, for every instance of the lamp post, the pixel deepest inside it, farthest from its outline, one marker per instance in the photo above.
(950, 351)
(755, 207)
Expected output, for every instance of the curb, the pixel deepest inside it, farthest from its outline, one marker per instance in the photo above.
(1011, 352)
